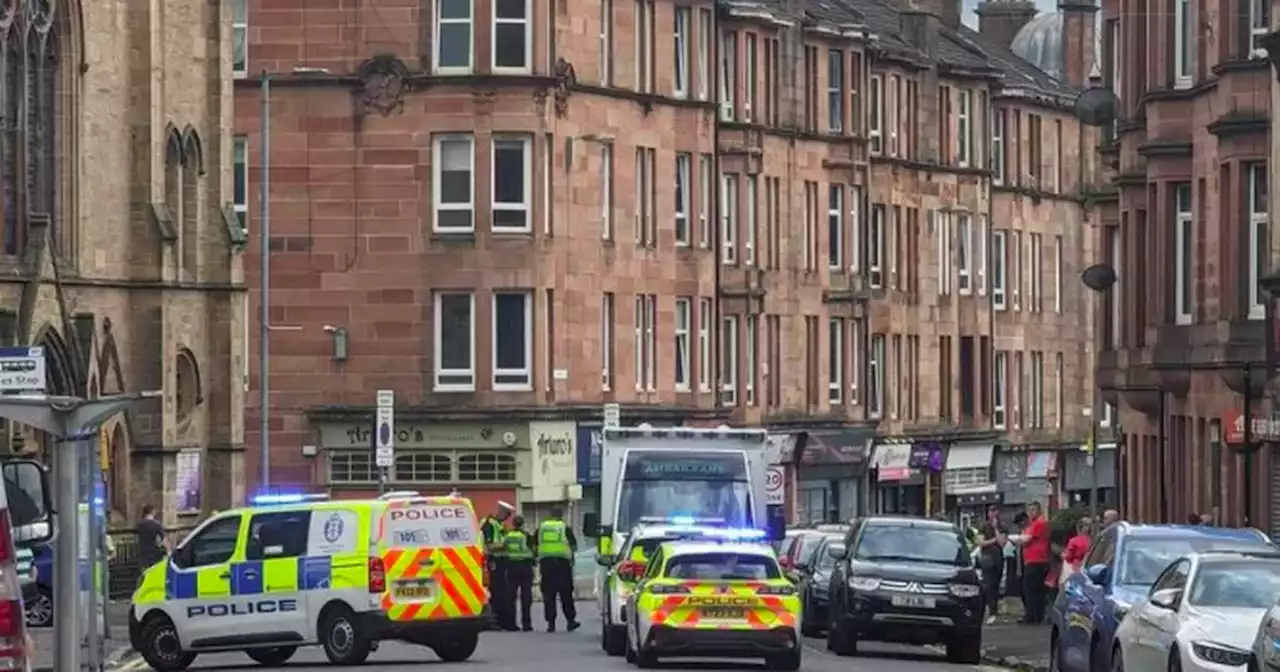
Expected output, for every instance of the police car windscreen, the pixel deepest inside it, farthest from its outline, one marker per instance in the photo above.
(667, 483)
(435, 525)
(723, 567)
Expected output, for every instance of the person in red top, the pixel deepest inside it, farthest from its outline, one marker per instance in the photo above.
(1035, 560)
(1077, 548)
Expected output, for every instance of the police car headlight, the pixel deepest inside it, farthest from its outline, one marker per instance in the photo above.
(962, 590)
(864, 583)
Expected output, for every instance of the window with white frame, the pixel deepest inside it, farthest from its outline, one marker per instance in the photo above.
(1035, 254)
(999, 272)
(875, 247)
(684, 164)
(240, 180)
(704, 344)
(835, 226)
(729, 216)
(1108, 415)
(835, 360)
(1000, 390)
(705, 180)
(607, 317)
(1037, 390)
(1259, 26)
(454, 165)
(512, 37)
(1059, 397)
(750, 74)
(876, 377)
(512, 340)
(749, 245)
(512, 158)
(1015, 267)
(1184, 250)
(646, 226)
(1183, 42)
(964, 248)
(605, 64)
(750, 356)
(854, 228)
(453, 37)
(942, 222)
(1059, 285)
(964, 134)
(684, 322)
(835, 91)
(606, 191)
(706, 30)
(455, 342)
(728, 76)
(855, 357)
(981, 249)
(875, 113)
(1117, 256)
(239, 38)
(1259, 241)
(644, 25)
(997, 146)
(645, 346)
(729, 361)
(680, 59)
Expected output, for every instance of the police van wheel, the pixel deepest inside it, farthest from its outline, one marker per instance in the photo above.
(161, 648)
(457, 649)
(614, 639)
(341, 638)
(784, 662)
(273, 657)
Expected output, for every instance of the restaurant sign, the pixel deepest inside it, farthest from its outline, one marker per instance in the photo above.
(1265, 427)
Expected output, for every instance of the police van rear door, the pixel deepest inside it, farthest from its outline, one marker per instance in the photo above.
(431, 549)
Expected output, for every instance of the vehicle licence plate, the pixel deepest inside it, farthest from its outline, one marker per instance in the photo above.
(914, 601)
(413, 590)
(724, 612)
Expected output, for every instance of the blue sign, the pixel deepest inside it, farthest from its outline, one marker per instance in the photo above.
(588, 454)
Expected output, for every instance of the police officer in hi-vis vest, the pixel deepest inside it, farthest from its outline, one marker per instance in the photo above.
(495, 560)
(520, 555)
(556, 548)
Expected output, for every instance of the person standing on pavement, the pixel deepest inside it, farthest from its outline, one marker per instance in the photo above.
(496, 562)
(556, 548)
(1109, 517)
(520, 551)
(1077, 548)
(151, 544)
(1035, 560)
(991, 560)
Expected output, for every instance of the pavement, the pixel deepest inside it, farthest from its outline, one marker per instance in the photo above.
(116, 649)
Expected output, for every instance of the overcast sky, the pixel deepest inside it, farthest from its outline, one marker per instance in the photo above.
(971, 19)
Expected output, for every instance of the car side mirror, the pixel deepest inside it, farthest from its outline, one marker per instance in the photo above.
(838, 552)
(1098, 574)
(604, 559)
(26, 486)
(1166, 599)
(591, 525)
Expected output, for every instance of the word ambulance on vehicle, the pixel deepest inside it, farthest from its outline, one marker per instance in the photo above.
(295, 571)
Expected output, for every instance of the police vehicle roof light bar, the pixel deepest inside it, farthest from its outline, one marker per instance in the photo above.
(681, 520)
(272, 498)
(400, 494)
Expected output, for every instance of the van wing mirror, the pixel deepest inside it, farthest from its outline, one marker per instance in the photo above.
(591, 525)
(26, 486)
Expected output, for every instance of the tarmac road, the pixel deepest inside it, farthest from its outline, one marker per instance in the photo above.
(563, 652)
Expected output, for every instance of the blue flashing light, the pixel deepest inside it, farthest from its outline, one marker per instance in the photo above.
(271, 498)
(683, 520)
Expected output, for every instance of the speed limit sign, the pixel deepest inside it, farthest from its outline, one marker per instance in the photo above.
(775, 486)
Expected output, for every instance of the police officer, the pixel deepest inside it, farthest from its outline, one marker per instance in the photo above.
(556, 548)
(495, 554)
(520, 554)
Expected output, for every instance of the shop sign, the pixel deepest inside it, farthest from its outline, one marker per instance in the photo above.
(555, 463)
(1265, 427)
(409, 435)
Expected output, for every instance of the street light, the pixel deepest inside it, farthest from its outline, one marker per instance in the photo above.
(1099, 278)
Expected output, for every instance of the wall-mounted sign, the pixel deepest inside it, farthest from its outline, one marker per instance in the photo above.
(409, 435)
(555, 459)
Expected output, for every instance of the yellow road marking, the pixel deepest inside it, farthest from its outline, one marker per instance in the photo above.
(135, 662)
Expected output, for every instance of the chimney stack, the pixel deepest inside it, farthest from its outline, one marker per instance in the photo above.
(1079, 40)
(1001, 20)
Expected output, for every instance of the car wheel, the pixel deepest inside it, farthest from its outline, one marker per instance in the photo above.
(841, 639)
(785, 662)
(161, 648)
(1175, 660)
(272, 657)
(966, 651)
(1055, 664)
(1117, 660)
(341, 638)
(613, 638)
(1099, 655)
(39, 611)
(458, 648)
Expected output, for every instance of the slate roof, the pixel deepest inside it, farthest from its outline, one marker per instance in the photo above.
(960, 50)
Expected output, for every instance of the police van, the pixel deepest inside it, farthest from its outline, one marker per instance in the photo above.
(295, 571)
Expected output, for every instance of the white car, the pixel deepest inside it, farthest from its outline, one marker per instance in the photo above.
(1201, 615)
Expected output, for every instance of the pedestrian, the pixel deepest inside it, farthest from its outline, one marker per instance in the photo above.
(1193, 518)
(520, 554)
(991, 560)
(556, 548)
(496, 563)
(1035, 560)
(1207, 520)
(152, 547)
(1109, 517)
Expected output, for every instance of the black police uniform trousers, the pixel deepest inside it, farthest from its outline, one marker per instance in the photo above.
(499, 591)
(520, 584)
(557, 585)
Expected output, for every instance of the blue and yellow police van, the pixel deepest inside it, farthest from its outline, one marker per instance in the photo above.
(298, 570)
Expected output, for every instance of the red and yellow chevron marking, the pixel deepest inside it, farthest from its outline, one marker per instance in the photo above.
(456, 576)
(697, 608)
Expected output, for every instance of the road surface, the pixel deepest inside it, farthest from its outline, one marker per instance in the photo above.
(566, 652)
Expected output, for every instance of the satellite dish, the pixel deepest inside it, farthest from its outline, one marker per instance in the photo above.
(1096, 106)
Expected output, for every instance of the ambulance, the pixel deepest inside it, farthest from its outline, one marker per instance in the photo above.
(296, 570)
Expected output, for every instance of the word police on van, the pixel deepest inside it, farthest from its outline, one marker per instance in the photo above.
(241, 609)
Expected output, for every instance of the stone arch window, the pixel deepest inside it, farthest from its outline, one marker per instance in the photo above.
(173, 182)
(188, 385)
(192, 160)
(29, 80)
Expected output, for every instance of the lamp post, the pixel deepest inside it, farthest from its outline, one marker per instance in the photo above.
(1099, 278)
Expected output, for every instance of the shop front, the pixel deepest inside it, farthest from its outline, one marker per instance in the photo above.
(896, 486)
(1023, 477)
(551, 472)
(832, 471)
(1082, 480)
(483, 461)
(967, 480)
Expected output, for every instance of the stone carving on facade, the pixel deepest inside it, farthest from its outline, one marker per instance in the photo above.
(382, 84)
(566, 78)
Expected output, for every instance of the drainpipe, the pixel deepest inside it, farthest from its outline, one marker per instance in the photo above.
(713, 226)
(1162, 461)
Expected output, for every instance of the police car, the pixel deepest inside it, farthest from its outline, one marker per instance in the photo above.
(626, 568)
(295, 571)
(716, 600)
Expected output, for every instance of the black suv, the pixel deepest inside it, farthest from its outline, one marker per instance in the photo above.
(908, 581)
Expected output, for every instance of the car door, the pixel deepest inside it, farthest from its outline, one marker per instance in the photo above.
(199, 581)
(1158, 625)
(268, 578)
(1081, 604)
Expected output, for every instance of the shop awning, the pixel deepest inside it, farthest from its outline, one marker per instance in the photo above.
(893, 460)
(970, 457)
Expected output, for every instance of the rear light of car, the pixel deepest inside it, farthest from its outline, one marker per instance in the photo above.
(631, 569)
(776, 590)
(13, 636)
(667, 589)
(377, 575)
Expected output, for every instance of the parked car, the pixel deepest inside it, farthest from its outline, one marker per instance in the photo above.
(815, 587)
(38, 603)
(909, 581)
(1201, 615)
(798, 550)
(1125, 561)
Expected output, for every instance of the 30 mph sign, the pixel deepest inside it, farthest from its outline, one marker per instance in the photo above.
(775, 489)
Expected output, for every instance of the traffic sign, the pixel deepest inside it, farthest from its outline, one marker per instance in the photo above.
(22, 369)
(775, 486)
(384, 443)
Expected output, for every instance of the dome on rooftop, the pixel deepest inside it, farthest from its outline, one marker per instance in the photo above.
(1040, 43)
